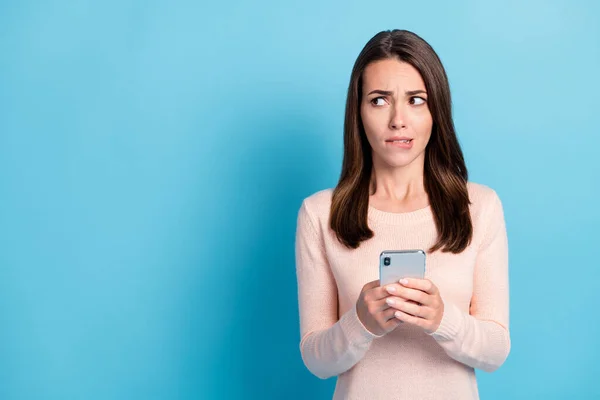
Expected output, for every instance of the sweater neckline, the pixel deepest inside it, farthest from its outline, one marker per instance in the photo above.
(395, 218)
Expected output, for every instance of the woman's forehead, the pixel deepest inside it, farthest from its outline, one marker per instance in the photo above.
(392, 74)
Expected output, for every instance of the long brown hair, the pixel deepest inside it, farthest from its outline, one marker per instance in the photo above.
(445, 173)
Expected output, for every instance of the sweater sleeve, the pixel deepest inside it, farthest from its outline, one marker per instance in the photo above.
(328, 346)
(481, 338)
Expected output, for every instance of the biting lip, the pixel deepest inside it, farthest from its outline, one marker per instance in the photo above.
(396, 142)
(399, 138)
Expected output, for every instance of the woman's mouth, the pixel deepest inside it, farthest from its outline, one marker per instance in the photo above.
(401, 143)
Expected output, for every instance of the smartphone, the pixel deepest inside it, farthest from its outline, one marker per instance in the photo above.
(397, 264)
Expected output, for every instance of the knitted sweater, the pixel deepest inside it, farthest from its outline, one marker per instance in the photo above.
(406, 363)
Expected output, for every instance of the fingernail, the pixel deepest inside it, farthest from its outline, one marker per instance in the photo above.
(391, 289)
(390, 301)
(403, 281)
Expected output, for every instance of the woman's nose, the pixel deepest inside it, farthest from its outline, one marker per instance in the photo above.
(397, 119)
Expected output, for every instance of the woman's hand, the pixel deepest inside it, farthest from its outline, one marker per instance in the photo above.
(373, 312)
(426, 308)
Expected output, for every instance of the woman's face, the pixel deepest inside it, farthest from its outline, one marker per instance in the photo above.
(394, 105)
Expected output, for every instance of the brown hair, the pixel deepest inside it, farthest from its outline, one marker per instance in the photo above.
(445, 173)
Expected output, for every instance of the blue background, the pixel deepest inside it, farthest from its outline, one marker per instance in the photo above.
(153, 157)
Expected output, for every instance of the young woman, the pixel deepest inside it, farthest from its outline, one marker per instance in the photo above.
(403, 185)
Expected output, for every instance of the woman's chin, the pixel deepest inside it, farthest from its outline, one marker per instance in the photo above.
(399, 162)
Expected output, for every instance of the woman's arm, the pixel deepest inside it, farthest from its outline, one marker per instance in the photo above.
(328, 346)
(481, 339)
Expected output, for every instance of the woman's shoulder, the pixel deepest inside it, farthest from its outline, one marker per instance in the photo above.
(480, 193)
(484, 201)
(318, 203)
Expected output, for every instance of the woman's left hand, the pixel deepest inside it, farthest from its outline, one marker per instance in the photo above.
(426, 308)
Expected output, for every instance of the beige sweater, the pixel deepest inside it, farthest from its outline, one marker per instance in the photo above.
(406, 363)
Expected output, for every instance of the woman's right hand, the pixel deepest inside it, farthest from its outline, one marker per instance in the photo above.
(373, 312)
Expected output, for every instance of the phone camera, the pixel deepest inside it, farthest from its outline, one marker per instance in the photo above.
(386, 261)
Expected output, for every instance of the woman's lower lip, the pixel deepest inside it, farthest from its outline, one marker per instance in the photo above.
(401, 145)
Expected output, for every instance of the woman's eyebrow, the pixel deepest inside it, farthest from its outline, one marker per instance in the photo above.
(389, 93)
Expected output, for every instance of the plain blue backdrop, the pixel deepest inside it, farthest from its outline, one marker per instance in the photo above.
(154, 155)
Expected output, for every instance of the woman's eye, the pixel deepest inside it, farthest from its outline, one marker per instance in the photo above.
(374, 101)
(419, 102)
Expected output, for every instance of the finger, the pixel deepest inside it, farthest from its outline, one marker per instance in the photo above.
(372, 291)
(381, 305)
(389, 314)
(409, 294)
(424, 285)
(377, 293)
(392, 323)
(411, 308)
(404, 317)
